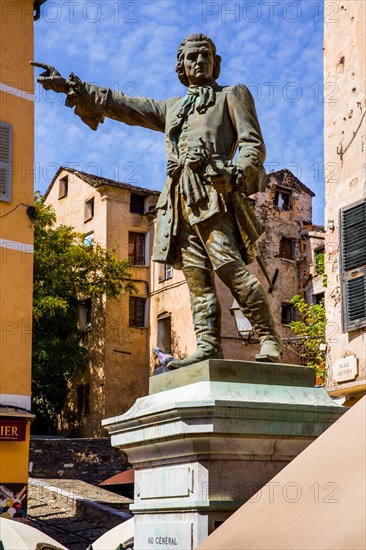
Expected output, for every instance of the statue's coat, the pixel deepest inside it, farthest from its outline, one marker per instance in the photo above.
(228, 125)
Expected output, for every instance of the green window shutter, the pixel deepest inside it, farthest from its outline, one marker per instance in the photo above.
(356, 298)
(6, 154)
(353, 261)
(354, 237)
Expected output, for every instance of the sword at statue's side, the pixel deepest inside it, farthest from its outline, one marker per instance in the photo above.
(215, 167)
(260, 262)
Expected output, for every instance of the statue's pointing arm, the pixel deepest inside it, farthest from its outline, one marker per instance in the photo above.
(93, 103)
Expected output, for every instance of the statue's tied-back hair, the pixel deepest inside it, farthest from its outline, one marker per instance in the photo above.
(180, 56)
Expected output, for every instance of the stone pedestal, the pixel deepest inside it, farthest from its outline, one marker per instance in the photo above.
(208, 437)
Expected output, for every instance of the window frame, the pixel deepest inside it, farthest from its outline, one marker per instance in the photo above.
(318, 298)
(89, 238)
(134, 258)
(168, 272)
(133, 320)
(164, 341)
(140, 201)
(293, 313)
(351, 274)
(293, 248)
(89, 216)
(283, 191)
(318, 250)
(165, 272)
(7, 165)
(65, 183)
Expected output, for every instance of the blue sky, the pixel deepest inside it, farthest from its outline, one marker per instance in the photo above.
(272, 46)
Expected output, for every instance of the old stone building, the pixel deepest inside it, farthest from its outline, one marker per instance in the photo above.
(288, 249)
(116, 331)
(345, 212)
(17, 100)
(122, 333)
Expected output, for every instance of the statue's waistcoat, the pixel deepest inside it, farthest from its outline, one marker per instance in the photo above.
(217, 128)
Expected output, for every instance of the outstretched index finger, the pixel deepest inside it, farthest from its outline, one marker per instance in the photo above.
(41, 65)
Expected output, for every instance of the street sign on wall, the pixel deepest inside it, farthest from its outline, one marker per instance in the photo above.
(345, 368)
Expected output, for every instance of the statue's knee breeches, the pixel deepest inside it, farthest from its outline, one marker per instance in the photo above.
(210, 244)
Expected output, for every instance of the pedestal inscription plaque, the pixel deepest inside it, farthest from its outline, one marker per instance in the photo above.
(168, 536)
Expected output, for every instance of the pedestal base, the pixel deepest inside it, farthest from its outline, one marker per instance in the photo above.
(208, 437)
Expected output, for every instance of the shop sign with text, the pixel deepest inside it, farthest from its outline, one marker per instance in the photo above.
(12, 430)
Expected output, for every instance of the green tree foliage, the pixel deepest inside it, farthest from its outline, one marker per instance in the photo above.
(311, 327)
(66, 271)
(319, 263)
(320, 267)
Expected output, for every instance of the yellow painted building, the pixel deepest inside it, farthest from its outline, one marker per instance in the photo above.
(16, 249)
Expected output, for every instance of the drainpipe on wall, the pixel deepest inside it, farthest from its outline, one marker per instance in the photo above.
(37, 9)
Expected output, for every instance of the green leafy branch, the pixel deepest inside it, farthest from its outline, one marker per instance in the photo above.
(310, 327)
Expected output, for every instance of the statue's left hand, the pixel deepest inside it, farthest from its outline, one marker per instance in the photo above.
(223, 182)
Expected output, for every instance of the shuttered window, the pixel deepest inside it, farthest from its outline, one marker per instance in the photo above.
(137, 311)
(5, 161)
(63, 187)
(353, 262)
(89, 210)
(136, 248)
(287, 248)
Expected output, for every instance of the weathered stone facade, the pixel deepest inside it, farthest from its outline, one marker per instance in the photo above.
(345, 250)
(87, 459)
(118, 372)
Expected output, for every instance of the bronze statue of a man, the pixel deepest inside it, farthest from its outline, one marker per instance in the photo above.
(205, 225)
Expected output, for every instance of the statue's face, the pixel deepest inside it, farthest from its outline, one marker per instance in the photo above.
(198, 62)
